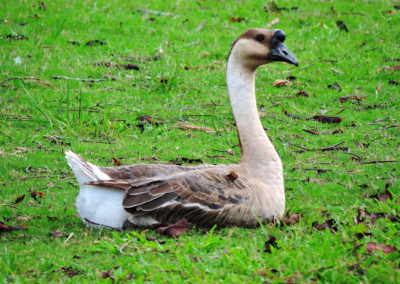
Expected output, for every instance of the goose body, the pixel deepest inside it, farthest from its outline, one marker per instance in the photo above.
(225, 195)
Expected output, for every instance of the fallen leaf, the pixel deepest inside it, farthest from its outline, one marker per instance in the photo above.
(280, 83)
(290, 114)
(236, 19)
(382, 196)
(107, 274)
(311, 131)
(327, 119)
(186, 126)
(57, 234)
(19, 199)
(361, 145)
(71, 271)
(291, 219)
(9, 228)
(302, 93)
(116, 162)
(335, 86)
(271, 242)
(363, 214)
(386, 249)
(392, 68)
(350, 97)
(176, 229)
(328, 224)
(35, 195)
(393, 82)
(342, 26)
(73, 42)
(129, 66)
(146, 118)
(95, 42)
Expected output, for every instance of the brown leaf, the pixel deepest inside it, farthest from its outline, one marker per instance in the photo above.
(146, 118)
(71, 271)
(327, 119)
(95, 42)
(363, 214)
(280, 83)
(19, 199)
(35, 195)
(392, 68)
(302, 93)
(335, 86)
(271, 242)
(176, 229)
(290, 114)
(9, 228)
(328, 224)
(57, 234)
(382, 196)
(350, 97)
(236, 19)
(129, 66)
(116, 162)
(107, 274)
(291, 219)
(311, 131)
(361, 145)
(386, 249)
(186, 126)
(342, 26)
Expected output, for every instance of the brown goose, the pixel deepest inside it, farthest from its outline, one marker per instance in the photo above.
(206, 195)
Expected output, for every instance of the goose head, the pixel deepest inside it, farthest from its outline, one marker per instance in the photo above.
(257, 47)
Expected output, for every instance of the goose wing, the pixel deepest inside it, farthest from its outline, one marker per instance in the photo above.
(204, 197)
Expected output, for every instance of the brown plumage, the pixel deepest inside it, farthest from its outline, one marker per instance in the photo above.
(206, 195)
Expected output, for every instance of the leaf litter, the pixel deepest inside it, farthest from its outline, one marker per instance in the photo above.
(176, 229)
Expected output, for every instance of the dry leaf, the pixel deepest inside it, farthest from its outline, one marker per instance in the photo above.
(376, 247)
(7, 228)
(327, 119)
(186, 126)
(176, 229)
(280, 83)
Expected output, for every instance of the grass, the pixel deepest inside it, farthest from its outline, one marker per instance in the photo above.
(98, 120)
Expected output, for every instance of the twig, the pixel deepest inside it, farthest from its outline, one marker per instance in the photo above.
(97, 224)
(10, 205)
(378, 162)
(29, 177)
(69, 237)
(201, 26)
(154, 12)
(328, 148)
(78, 79)
(121, 249)
(30, 79)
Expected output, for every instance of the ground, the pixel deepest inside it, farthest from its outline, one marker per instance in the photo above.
(156, 94)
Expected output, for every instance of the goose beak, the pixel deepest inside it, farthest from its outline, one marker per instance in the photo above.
(281, 53)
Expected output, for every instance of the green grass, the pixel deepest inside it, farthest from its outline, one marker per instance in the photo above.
(104, 114)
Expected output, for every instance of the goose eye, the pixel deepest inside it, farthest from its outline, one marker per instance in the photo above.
(260, 37)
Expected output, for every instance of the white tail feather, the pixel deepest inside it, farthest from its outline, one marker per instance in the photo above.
(95, 204)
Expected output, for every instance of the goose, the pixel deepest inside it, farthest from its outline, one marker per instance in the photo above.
(242, 195)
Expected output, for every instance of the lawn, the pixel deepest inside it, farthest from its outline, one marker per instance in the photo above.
(144, 82)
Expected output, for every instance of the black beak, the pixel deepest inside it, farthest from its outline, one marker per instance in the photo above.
(279, 51)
